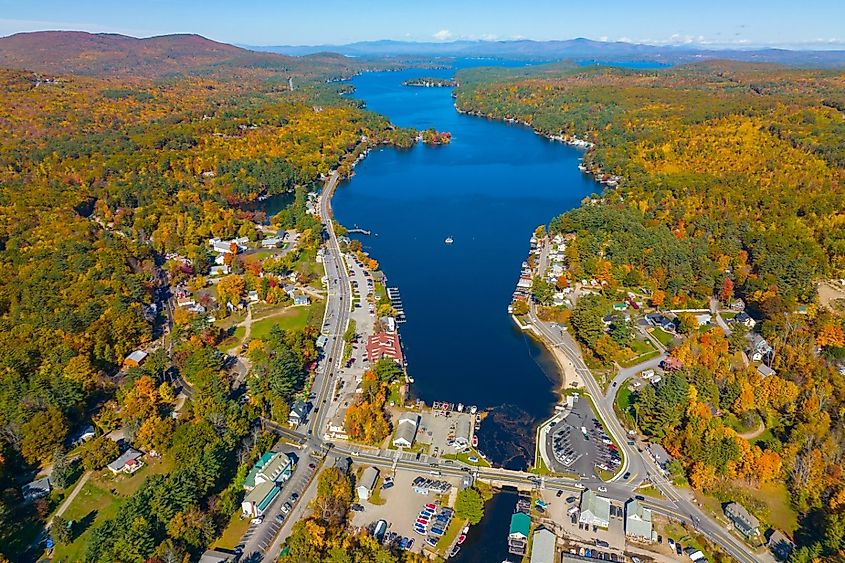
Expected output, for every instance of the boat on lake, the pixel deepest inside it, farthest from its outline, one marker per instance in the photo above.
(449, 240)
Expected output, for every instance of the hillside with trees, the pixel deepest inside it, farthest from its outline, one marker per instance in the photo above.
(108, 174)
(723, 180)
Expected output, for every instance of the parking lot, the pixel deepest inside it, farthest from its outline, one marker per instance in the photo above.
(403, 505)
(437, 429)
(260, 535)
(578, 443)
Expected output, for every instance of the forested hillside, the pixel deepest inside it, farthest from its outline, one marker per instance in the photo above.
(101, 175)
(724, 180)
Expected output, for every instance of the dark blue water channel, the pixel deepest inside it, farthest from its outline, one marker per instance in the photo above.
(488, 190)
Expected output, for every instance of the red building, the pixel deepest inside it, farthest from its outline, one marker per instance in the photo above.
(384, 345)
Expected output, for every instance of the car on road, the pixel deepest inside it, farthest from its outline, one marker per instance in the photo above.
(559, 493)
(579, 486)
(570, 500)
(602, 489)
(312, 465)
(639, 497)
(626, 475)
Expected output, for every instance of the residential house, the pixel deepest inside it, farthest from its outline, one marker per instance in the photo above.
(462, 433)
(704, 319)
(406, 430)
(543, 546)
(300, 300)
(637, 520)
(745, 319)
(271, 242)
(737, 305)
(758, 349)
(742, 520)
(259, 498)
(252, 296)
(84, 435)
(36, 489)
(384, 345)
(660, 456)
(275, 467)
(298, 413)
(661, 321)
(780, 545)
(595, 510)
(765, 370)
(135, 359)
(367, 483)
(671, 363)
(337, 428)
(128, 462)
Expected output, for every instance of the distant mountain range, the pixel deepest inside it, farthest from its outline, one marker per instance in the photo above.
(578, 49)
(78, 52)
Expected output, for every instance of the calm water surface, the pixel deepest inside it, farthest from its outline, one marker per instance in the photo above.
(488, 189)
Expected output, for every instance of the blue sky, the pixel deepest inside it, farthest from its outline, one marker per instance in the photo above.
(714, 23)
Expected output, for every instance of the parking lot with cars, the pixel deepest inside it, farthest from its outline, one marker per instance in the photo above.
(407, 508)
(578, 444)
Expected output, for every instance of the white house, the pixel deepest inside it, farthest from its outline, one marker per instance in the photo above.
(406, 430)
(128, 462)
(367, 483)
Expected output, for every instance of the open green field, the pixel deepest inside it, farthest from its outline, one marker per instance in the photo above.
(98, 500)
(293, 318)
(662, 336)
(644, 351)
(464, 458)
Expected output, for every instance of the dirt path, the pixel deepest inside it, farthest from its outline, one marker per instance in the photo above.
(753, 433)
(71, 496)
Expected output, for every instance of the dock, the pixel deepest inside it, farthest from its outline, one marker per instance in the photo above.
(396, 303)
(358, 230)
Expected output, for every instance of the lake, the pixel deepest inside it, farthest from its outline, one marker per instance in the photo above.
(488, 190)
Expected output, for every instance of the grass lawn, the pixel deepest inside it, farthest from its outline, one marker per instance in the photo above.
(464, 458)
(625, 404)
(91, 506)
(649, 491)
(639, 359)
(233, 340)
(125, 485)
(375, 496)
(455, 527)
(294, 318)
(662, 336)
(233, 532)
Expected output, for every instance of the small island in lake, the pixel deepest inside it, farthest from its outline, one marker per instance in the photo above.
(428, 82)
(434, 137)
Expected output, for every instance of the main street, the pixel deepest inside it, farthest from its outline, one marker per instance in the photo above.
(338, 305)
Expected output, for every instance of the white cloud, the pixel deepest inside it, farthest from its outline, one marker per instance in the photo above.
(488, 37)
(443, 35)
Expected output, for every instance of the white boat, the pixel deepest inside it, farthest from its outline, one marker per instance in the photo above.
(449, 240)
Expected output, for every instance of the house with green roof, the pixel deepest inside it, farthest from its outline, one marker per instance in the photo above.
(259, 498)
(271, 467)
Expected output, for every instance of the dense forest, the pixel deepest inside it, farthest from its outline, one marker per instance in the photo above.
(723, 180)
(103, 174)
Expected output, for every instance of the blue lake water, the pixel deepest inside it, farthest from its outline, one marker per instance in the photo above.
(489, 189)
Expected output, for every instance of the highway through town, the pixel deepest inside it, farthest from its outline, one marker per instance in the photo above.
(338, 305)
